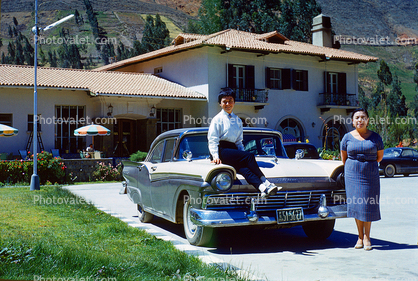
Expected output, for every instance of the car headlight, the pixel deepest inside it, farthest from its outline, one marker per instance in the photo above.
(222, 182)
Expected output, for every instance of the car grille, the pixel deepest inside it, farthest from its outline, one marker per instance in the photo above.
(288, 199)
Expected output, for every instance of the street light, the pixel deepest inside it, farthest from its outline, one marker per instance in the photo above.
(34, 181)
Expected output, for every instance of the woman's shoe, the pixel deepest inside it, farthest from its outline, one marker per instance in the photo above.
(368, 248)
(358, 246)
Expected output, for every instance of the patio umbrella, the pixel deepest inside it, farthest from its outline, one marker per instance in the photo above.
(7, 131)
(92, 130)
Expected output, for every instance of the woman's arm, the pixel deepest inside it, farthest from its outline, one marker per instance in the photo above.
(343, 156)
(379, 155)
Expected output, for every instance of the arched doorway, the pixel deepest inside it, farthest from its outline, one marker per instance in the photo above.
(332, 134)
(292, 130)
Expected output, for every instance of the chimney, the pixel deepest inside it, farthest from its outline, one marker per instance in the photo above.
(321, 31)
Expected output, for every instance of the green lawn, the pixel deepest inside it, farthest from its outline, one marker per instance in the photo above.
(52, 233)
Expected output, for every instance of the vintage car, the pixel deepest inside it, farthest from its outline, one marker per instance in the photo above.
(178, 182)
(399, 160)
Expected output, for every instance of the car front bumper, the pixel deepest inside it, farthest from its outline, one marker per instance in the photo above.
(228, 218)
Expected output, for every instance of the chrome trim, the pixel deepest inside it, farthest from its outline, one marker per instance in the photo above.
(227, 218)
(283, 199)
(323, 210)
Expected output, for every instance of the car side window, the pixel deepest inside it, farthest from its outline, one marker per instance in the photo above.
(157, 152)
(407, 153)
(197, 144)
(415, 153)
(168, 152)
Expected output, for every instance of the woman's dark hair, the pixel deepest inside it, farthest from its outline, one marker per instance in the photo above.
(359, 110)
(226, 92)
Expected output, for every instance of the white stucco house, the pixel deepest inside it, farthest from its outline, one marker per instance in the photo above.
(69, 99)
(296, 88)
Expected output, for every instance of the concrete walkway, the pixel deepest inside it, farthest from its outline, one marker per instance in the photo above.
(286, 254)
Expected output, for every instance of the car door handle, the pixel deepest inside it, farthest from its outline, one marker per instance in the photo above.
(140, 167)
(153, 168)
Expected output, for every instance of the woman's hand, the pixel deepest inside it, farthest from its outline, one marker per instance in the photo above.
(216, 161)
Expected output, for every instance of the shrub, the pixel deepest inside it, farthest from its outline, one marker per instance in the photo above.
(105, 172)
(20, 171)
(138, 156)
(329, 154)
(50, 169)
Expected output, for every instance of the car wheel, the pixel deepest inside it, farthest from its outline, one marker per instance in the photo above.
(319, 230)
(195, 234)
(406, 175)
(390, 171)
(144, 216)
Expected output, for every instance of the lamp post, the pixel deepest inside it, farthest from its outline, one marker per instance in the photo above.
(34, 181)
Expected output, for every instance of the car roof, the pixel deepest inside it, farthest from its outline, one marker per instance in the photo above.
(184, 131)
(400, 148)
(297, 143)
(177, 132)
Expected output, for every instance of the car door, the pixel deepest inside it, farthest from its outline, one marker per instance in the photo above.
(159, 178)
(407, 161)
(414, 166)
(145, 186)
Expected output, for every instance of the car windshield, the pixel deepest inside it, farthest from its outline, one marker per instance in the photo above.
(263, 145)
(310, 151)
(390, 152)
(257, 144)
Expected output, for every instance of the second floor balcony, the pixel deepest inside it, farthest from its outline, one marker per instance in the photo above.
(345, 101)
(251, 95)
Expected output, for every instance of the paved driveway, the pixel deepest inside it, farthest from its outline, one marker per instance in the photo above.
(286, 254)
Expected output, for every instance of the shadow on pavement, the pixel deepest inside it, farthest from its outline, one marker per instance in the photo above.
(236, 241)
(254, 240)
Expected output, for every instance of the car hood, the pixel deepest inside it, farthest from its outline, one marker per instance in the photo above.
(298, 168)
(271, 168)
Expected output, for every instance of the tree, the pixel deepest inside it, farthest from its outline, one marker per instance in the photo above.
(52, 58)
(384, 74)
(209, 14)
(15, 21)
(292, 18)
(155, 36)
(364, 102)
(78, 18)
(161, 33)
(416, 76)
(396, 100)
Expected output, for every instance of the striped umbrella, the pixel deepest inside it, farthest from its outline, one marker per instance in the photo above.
(7, 131)
(92, 130)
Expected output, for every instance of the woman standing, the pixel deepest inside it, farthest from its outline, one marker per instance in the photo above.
(225, 137)
(361, 150)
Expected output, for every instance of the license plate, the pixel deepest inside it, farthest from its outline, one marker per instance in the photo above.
(289, 215)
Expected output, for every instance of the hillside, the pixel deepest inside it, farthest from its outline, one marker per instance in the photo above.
(369, 18)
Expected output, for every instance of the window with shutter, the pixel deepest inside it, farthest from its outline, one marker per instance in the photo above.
(300, 80)
(241, 76)
(274, 78)
(335, 82)
(286, 79)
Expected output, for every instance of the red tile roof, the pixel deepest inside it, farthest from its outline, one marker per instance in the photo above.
(99, 83)
(273, 42)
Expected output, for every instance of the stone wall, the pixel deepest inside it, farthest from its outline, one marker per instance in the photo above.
(83, 168)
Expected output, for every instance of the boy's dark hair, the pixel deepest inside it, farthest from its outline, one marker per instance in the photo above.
(226, 92)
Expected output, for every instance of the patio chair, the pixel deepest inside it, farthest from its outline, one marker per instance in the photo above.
(23, 154)
(55, 153)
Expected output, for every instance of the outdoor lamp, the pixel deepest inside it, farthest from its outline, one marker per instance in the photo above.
(110, 110)
(152, 112)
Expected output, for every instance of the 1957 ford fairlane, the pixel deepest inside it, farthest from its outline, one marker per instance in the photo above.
(178, 182)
